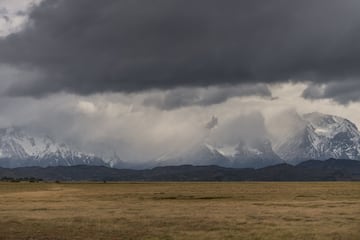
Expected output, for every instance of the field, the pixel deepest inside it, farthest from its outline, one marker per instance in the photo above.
(40, 211)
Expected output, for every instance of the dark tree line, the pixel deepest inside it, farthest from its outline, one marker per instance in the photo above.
(25, 179)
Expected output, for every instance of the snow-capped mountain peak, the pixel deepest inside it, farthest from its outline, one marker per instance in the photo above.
(328, 126)
(19, 148)
(324, 136)
(256, 154)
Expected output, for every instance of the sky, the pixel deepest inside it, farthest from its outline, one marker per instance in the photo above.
(143, 78)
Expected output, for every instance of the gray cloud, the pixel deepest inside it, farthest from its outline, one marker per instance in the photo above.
(343, 92)
(3, 11)
(241, 128)
(90, 46)
(313, 91)
(4, 15)
(244, 131)
(103, 124)
(214, 121)
(183, 97)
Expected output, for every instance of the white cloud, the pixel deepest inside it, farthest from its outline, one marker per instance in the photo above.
(86, 107)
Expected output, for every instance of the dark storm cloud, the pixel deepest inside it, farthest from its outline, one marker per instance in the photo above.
(183, 97)
(89, 46)
(342, 92)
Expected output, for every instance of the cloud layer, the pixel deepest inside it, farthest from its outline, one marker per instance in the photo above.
(91, 46)
(343, 92)
(184, 97)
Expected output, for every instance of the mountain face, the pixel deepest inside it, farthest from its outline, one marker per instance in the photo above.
(256, 154)
(322, 137)
(19, 149)
(203, 154)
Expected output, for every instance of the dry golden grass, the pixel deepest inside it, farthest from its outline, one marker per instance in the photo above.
(180, 211)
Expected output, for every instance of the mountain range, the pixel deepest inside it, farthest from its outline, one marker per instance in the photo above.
(316, 136)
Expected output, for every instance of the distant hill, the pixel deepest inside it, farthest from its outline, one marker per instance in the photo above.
(329, 170)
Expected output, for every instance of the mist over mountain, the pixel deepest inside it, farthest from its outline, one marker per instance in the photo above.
(254, 154)
(302, 137)
(309, 136)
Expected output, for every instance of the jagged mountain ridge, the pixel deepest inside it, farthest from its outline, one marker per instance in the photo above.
(19, 148)
(323, 137)
(256, 154)
(315, 136)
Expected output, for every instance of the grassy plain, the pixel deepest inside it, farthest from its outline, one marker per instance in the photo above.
(41, 211)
